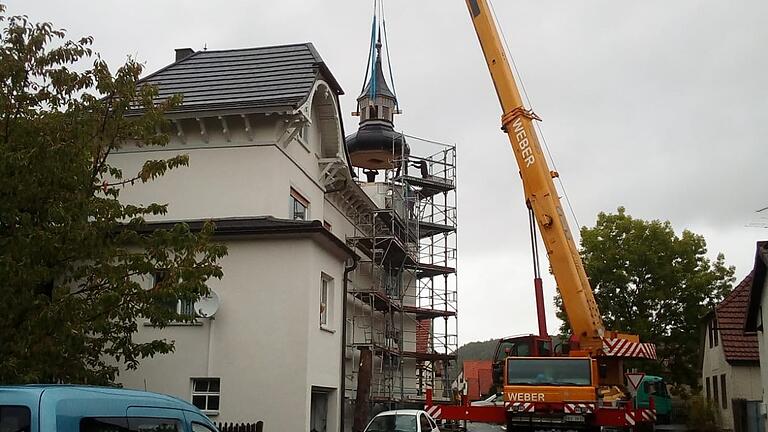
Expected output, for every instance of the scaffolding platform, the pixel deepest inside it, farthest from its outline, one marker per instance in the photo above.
(428, 356)
(378, 300)
(426, 313)
(429, 229)
(424, 270)
(404, 287)
(384, 250)
(428, 186)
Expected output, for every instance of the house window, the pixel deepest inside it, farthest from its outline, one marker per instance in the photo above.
(185, 308)
(725, 392)
(299, 206)
(206, 393)
(713, 336)
(326, 300)
(159, 279)
(709, 391)
(715, 390)
(327, 226)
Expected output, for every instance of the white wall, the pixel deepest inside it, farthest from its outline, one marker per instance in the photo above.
(266, 344)
(267, 348)
(742, 381)
(762, 339)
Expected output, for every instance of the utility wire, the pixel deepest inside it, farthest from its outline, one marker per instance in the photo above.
(528, 101)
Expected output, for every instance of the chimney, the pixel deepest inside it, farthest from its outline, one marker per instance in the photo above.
(182, 53)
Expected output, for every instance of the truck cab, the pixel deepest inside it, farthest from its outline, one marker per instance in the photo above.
(654, 387)
(518, 346)
(550, 392)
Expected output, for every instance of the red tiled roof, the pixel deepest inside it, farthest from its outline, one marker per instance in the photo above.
(731, 313)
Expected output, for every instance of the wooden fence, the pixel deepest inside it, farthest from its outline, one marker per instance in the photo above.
(241, 427)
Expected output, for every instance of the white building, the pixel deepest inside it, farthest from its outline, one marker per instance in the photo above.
(758, 299)
(268, 164)
(730, 361)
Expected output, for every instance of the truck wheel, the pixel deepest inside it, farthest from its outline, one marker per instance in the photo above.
(512, 428)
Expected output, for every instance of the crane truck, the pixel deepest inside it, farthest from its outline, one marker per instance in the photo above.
(581, 387)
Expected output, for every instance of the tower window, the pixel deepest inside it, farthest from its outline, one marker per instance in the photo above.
(385, 111)
(373, 112)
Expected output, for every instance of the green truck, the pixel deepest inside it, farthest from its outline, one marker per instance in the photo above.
(655, 387)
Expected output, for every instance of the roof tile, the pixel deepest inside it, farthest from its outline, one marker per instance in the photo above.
(731, 313)
(258, 78)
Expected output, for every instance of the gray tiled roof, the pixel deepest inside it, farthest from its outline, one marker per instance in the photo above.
(264, 78)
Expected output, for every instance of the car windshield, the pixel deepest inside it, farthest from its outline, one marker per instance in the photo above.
(393, 423)
(549, 371)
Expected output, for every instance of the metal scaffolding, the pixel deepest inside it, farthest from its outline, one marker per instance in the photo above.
(402, 299)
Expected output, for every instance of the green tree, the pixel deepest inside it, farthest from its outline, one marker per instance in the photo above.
(651, 282)
(75, 262)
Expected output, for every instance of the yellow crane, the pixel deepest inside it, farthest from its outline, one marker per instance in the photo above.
(580, 390)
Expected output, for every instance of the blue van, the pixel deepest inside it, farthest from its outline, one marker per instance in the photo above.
(66, 408)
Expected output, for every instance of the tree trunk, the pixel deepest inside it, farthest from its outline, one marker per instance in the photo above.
(363, 389)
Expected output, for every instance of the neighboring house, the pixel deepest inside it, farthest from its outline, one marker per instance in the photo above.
(730, 361)
(269, 165)
(758, 301)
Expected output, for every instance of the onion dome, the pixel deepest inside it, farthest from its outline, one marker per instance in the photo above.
(376, 144)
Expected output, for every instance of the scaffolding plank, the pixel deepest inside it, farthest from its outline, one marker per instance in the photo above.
(429, 229)
(428, 356)
(377, 299)
(429, 186)
(425, 270)
(426, 313)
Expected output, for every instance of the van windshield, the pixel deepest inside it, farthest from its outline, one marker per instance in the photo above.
(548, 372)
(14, 418)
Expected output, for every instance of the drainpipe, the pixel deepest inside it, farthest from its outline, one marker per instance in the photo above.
(347, 270)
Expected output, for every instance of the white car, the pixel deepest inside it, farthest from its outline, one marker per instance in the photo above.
(495, 400)
(402, 421)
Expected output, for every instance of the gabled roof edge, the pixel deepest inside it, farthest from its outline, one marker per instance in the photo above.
(758, 282)
(325, 70)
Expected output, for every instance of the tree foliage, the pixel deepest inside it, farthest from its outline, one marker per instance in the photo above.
(651, 282)
(76, 262)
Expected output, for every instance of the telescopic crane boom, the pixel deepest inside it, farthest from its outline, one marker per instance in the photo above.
(580, 390)
(540, 193)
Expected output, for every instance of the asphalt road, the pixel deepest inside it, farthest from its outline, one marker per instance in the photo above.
(482, 427)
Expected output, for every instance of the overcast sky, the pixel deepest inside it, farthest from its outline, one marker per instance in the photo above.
(659, 106)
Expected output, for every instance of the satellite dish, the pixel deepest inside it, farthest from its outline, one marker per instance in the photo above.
(207, 306)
